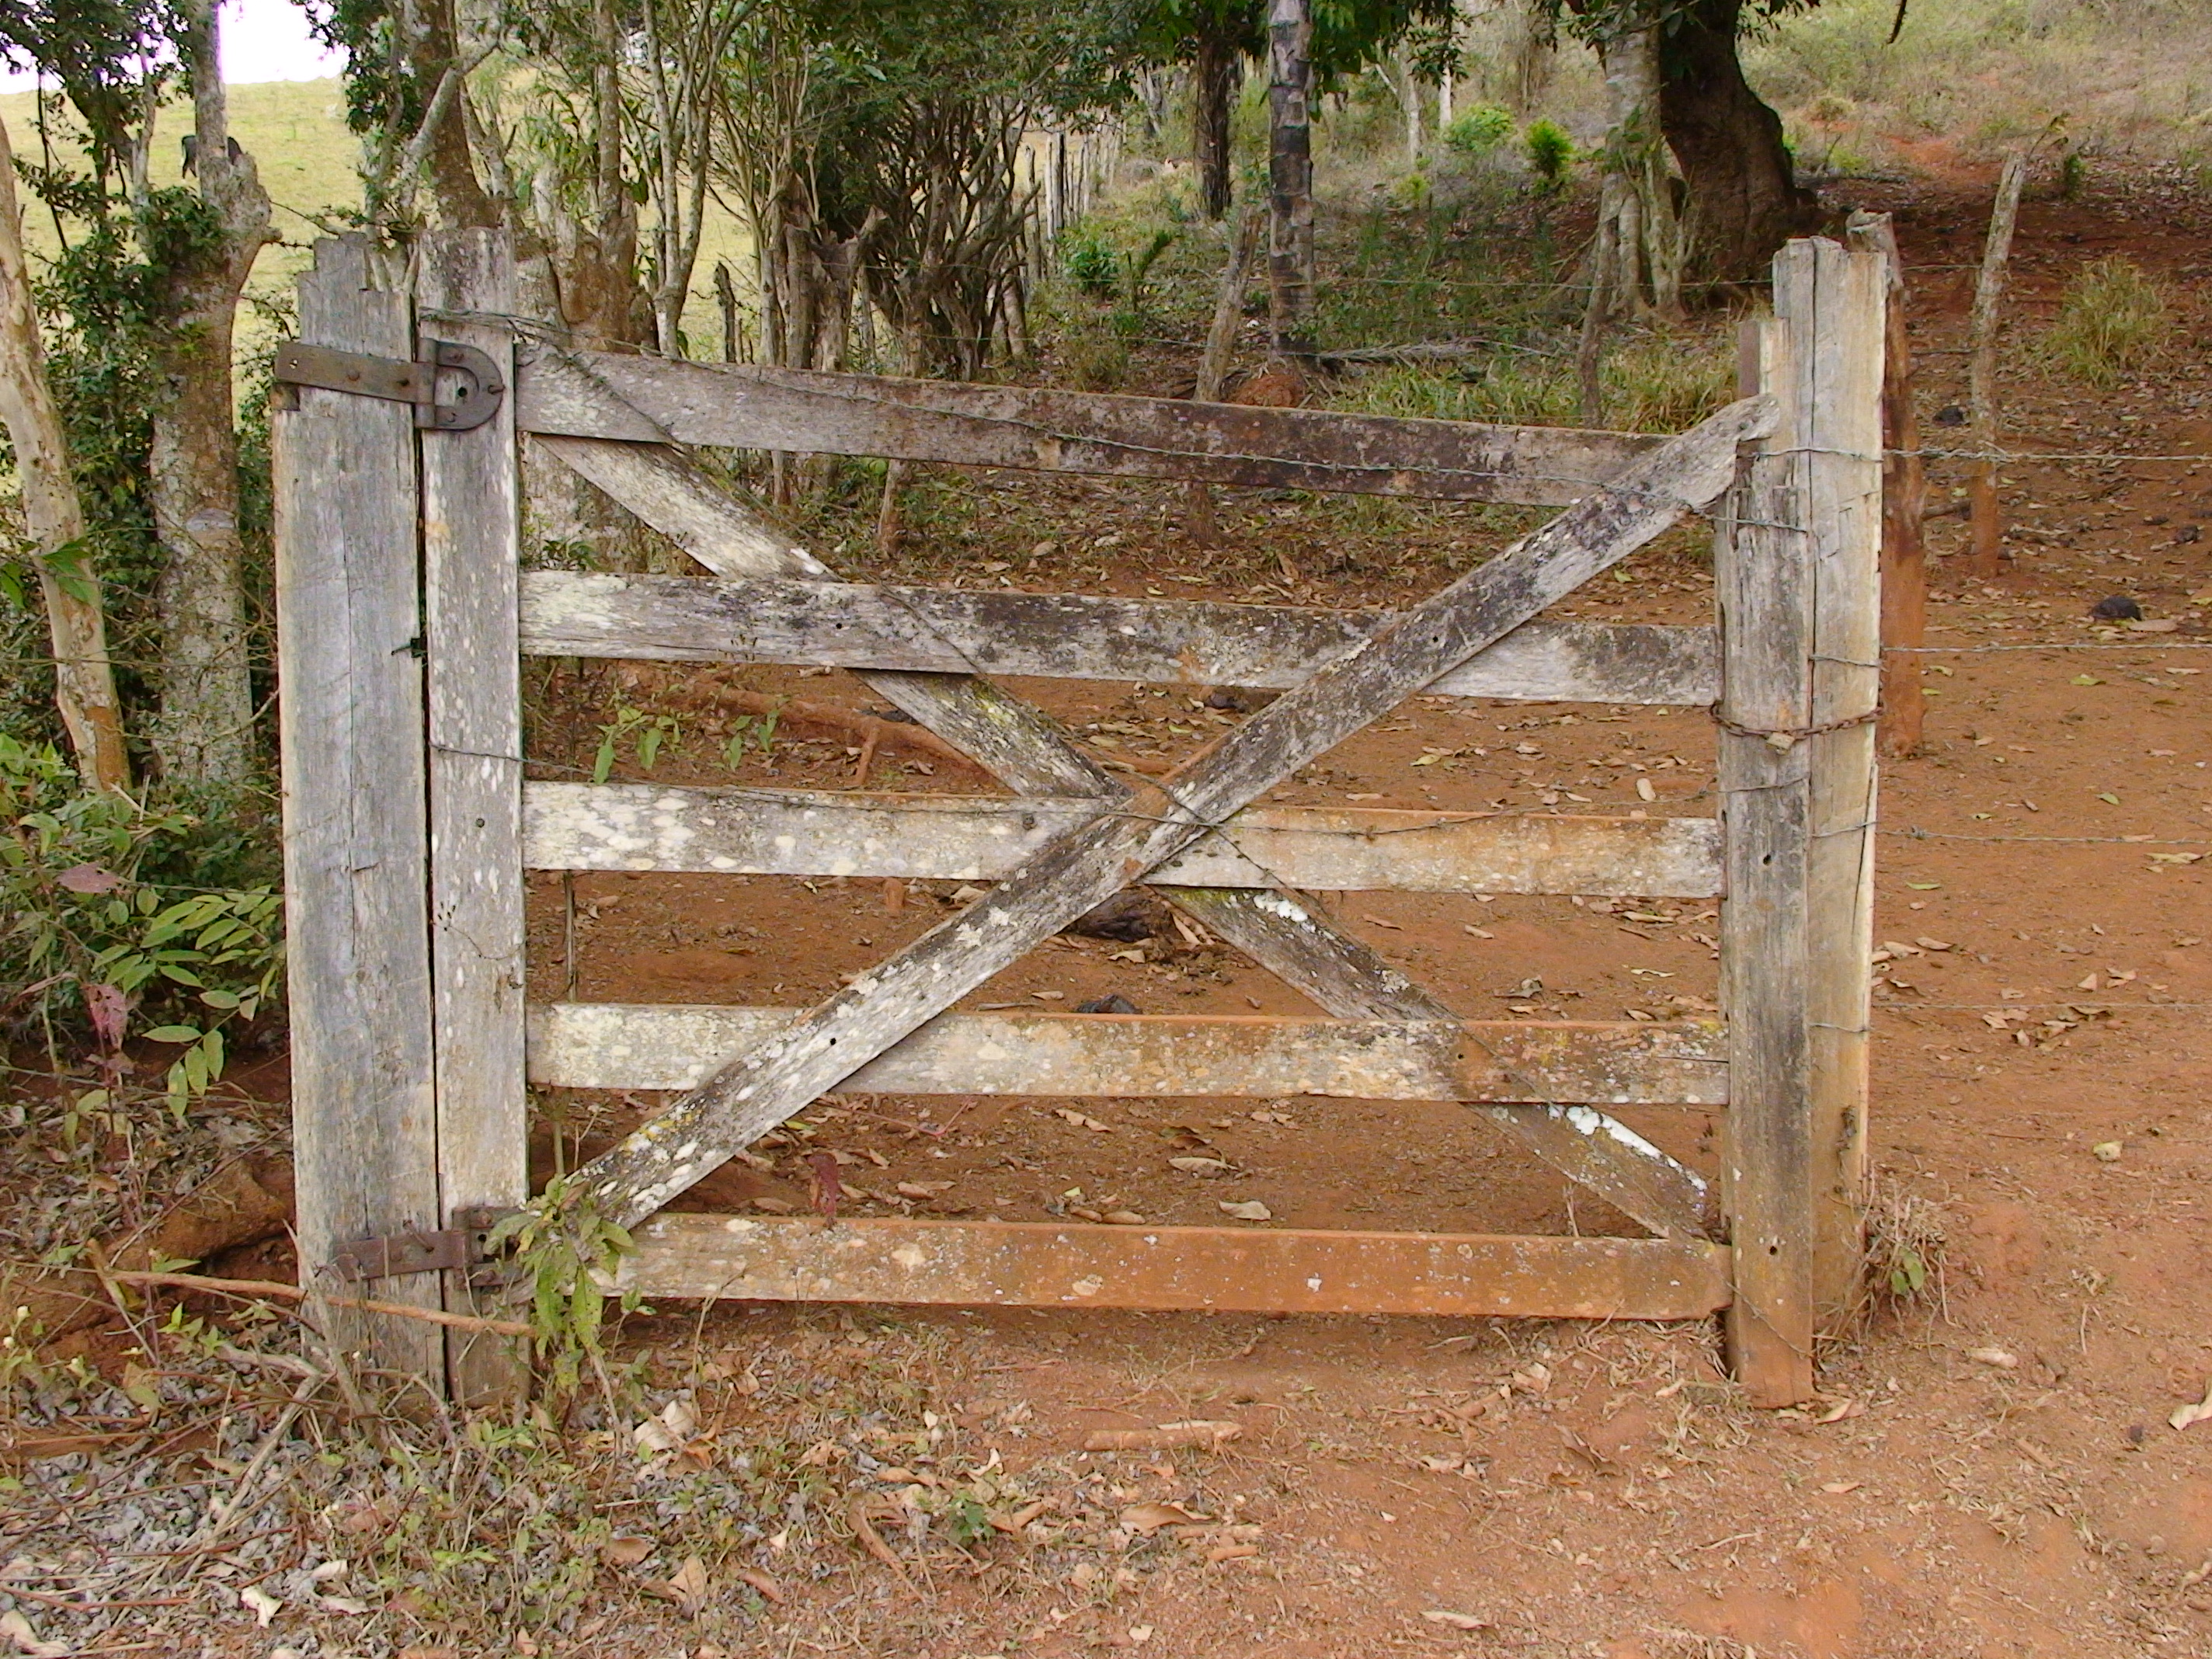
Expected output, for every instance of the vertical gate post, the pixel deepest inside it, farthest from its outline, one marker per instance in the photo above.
(1795, 569)
(349, 630)
(465, 289)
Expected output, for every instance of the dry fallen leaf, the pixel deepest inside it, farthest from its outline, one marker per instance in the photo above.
(768, 1589)
(1996, 1357)
(1456, 1620)
(1838, 1488)
(1250, 1210)
(688, 1586)
(1197, 1432)
(1841, 1410)
(1199, 1166)
(1231, 1553)
(2196, 1411)
(1081, 1121)
(264, 1606)
(1151, 1518)
(923, 1188)
(625, 1549)
(2107, 1152)
(17, 1629)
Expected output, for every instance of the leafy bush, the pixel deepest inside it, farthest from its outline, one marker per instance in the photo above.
(1550, 153)
(2112, 320)
(95, 947)
(1478, 131)
(1088, 256)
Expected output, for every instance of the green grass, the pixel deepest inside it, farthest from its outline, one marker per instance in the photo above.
(296, 133)
(2112, 320)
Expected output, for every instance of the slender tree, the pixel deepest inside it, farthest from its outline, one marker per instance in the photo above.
(69, 586)
(204, 731)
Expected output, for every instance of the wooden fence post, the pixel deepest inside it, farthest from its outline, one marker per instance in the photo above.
(1904, 508)
(348, 624)
(1796, 568)
(464, 287)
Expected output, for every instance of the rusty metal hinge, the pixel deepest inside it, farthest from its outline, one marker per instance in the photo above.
(451, 1249)
(453, 389)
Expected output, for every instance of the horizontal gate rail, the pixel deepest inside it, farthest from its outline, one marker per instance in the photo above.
(1079, 637)
(657, 400)
(744, 831)
(581, 1045)
(1211, 1269)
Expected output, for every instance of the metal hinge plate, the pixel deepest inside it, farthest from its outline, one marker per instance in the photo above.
(453, 389)
(448, 1250)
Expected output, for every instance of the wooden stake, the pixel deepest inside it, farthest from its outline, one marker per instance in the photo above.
(471, 563)
(1904, 508)
(1983, 559)
(1796, 566)
(1213, 363)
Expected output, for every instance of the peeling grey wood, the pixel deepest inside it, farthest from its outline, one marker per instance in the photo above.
(653, 400)
(350, 725)
(1213, 1269)
(1625, 1063)
(741, 831)
(1763, 582)
(1352, 982)
(471, 530)
(1842, 468)
(1083, 866)
(1079, 636)
(1342, 974)
(1016, 742)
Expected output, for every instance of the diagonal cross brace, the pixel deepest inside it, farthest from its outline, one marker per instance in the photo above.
(1089, 863)
(1306, 951)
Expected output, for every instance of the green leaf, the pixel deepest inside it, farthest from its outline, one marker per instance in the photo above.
(174, 1034)
(2087, 679)
(225, 999)
(1924, 886)
(603, 761)
(2114, 799)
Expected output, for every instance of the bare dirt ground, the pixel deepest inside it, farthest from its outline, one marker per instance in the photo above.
(1993, 1474)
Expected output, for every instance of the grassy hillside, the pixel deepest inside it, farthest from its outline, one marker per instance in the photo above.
(295, 130)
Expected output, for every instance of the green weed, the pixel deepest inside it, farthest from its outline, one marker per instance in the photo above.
(1550, 153)
(2113, 321)
(1478, 131)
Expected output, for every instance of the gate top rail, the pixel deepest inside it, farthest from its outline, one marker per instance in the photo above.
(594, 394)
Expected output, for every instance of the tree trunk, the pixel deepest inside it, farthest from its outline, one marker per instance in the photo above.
(1637, 195)
(84, 683)
(434, 52)
(1289, 173)
(1214, 77)
(205, 732)
(1744, 200)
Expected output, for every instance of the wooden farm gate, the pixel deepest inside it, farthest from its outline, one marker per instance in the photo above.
(404, 614)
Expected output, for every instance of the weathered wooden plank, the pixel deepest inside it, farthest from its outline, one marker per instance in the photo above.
(1016, 742)
(1213, 1269)
(1763, 578)
(350, 725)
(1352, 982)
(741, 831)
(1078, 637)
(1083, 866)
(1842, 468)
(744, 406)
(472, 553)
(1342, 974)
(678, 1046)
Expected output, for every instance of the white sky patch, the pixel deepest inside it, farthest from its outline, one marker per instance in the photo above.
(262, 40)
